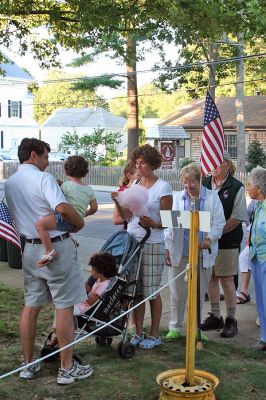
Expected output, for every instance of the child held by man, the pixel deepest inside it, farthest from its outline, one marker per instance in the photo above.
(78, 194)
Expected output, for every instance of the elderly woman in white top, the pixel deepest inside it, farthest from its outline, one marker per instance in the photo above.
(177, 244)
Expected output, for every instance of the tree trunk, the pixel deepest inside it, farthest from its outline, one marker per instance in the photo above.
(132, 93)
(239, 107)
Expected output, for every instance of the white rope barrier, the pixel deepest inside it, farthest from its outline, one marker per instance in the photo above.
(96, 330)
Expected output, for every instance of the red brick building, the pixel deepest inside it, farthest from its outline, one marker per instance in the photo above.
(190, 117)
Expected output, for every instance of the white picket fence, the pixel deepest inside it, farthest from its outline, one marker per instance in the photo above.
(105, 176)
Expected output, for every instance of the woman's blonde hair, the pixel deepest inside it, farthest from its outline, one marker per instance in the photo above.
(130, 168)
(191, 169)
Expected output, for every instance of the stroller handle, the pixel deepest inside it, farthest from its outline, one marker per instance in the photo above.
(147, 235)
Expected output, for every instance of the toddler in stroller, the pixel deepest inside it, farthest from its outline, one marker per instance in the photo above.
(114, 300)
(103, 267)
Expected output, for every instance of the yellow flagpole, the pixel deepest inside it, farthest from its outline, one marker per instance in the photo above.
(192, 298)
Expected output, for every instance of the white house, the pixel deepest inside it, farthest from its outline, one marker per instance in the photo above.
(16, 106)
(82, 121)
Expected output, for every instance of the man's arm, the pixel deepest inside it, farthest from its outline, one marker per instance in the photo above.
(239, 212)
(70, 215)
(231, 224)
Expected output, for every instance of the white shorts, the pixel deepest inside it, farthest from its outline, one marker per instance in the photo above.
(244, 262)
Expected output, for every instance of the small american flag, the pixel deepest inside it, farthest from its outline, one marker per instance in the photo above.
(212, 145)
(8, 229)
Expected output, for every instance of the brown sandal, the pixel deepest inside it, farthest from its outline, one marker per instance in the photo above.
(243, 298)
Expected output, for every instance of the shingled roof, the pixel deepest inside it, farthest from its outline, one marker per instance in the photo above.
(85, 117)
(167, 132)
(190, 116)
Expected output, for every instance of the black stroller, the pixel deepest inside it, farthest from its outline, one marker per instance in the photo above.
(116, 300)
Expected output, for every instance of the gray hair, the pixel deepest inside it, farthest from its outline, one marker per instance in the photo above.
(191, 169)
(257, 177)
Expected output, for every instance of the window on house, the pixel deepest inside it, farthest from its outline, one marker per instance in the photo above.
(230, 144)
(14, 109)
(181, 148)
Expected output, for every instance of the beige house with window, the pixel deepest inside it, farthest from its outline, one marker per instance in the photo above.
(190, 117)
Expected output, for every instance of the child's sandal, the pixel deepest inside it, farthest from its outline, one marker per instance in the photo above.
(46, 258)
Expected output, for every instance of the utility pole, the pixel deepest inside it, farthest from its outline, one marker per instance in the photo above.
(239, 107)
(239, 102)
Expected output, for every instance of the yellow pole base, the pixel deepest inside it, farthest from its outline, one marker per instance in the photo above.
(173, 386)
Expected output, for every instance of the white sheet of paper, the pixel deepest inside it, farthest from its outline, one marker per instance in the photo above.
(175, 219)
(181, 219)
(204, 221)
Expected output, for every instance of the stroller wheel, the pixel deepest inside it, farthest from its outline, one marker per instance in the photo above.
(103, 341)
(126, 350)
(46, 350)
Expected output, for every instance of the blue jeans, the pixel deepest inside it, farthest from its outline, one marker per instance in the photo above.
(259, 277)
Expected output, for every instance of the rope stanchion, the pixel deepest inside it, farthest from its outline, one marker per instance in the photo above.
(96, 330)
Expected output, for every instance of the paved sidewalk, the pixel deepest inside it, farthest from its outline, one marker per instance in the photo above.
(246, 313)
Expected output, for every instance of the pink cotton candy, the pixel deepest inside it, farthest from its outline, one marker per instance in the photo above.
(135, 199)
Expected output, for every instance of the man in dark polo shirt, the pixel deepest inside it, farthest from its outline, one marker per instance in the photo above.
(232, 196)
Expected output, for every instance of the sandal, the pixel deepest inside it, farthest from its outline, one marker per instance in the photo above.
(136, 340)
(150, 342)
(46, 258)
(243, 298)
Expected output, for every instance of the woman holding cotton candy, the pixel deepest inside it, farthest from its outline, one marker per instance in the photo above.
(177, 244)
(143, 206)
(130, 176)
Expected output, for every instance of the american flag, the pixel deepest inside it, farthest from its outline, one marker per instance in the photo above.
(212, 145)
(8, 229)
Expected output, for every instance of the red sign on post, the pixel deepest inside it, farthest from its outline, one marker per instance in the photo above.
(167, 151)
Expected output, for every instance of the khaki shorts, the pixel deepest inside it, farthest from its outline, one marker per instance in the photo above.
(226, 263)
(60, 282)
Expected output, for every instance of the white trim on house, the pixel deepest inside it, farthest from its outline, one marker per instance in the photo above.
(14, 88)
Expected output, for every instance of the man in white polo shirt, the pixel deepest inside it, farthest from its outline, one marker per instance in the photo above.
(31, 194)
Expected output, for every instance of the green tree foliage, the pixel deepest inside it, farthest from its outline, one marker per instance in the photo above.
(196, 79)
(120, 28)
(58, 92)
(89, 144)
(185, 162)
(123, 28)
(256, 156)
(153, 102)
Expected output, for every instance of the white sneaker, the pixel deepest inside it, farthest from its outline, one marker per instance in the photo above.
(30, 371)
(76, 372)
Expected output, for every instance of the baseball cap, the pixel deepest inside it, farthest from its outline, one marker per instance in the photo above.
(226, 156)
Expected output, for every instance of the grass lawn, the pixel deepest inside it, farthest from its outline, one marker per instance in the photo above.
(241, 371)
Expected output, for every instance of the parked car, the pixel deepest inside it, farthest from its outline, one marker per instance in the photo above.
(54, 156)
(9, 155)
(5, 156)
